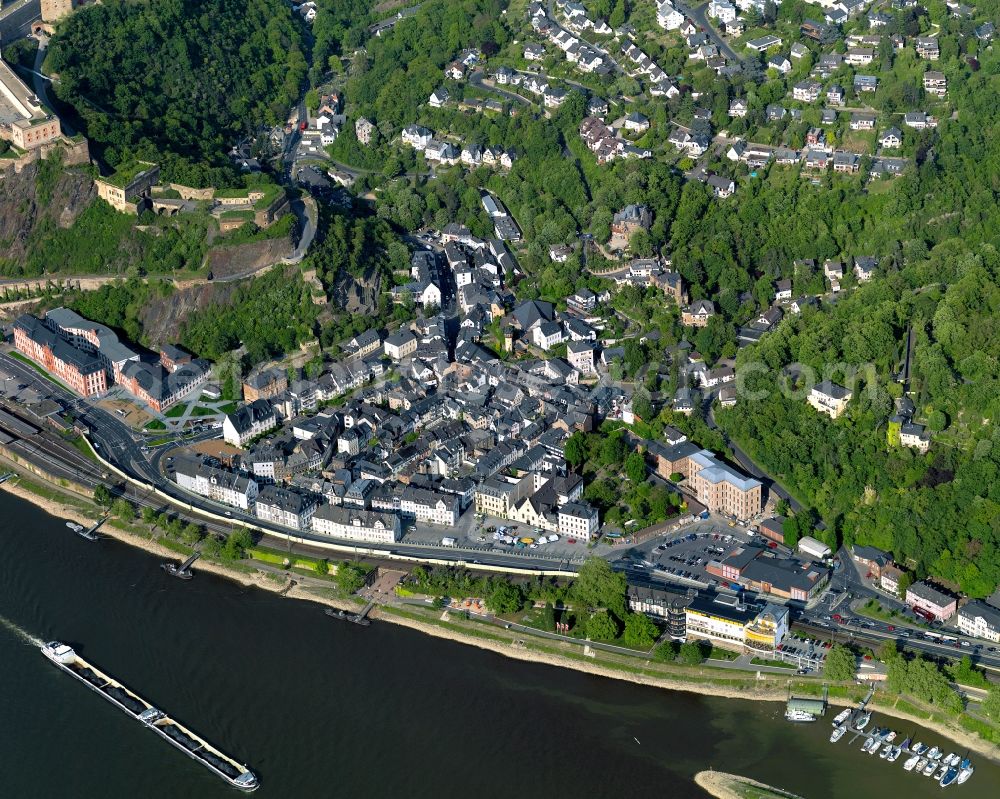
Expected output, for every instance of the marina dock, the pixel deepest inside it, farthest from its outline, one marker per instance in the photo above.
(947, 769)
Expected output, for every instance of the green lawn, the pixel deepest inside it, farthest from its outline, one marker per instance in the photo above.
(778, 664)
(277, 557)
(81, 445)
(718, 653)
(176, 412)
(201, 410)
(156, 424)
(269, 556)
(229, 407)
(873, 609)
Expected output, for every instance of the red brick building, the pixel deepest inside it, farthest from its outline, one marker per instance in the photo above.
(80, 370)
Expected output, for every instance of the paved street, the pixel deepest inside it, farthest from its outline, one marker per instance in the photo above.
(698, 15)
(16, 18)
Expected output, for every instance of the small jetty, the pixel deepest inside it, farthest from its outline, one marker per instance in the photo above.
(355, 618)
(88, 533)
(172, 731)
(182, 572)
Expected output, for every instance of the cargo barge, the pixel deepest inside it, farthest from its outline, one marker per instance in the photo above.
(236, 774)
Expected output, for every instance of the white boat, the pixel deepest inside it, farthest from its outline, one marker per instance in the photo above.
(934, 754)
(876, 745)
(837, 734)
(886, 751)
(868, 744)
(59, 653)
(891, 736)
(841, 717)
(941, 773)
(966, 771)
(893, 756)
(799, 716)
(952, 759)
(919, 748)
(862, 721)
(76, 528)
(930, 768)
(921, 765)
(911, 762)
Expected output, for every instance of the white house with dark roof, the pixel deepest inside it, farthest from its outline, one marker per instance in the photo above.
(892, 138)
(285, 506)
(438, 97)
(829, 398)
(416, 136)
(980, 620)
(738, 108)
(354, 524)
(248, 421)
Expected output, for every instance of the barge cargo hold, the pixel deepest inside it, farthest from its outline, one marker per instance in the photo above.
(236, 774)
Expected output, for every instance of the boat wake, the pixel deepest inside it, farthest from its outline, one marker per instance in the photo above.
(20, 632)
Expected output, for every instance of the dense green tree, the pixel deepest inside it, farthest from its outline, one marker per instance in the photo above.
(840, 664)
(601, 626)
(350, 577)
(614, 449)
(102, 496)
(640, 632)
(575, 450)
(237, 543)
(123, 509)
(598, 586)
(504, 597)
(690, 654)
(192, 533)
(178, 81)
(635, 467)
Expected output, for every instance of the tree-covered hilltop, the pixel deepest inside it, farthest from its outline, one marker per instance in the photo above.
(178, 80)
(403, 66)
(938, 511)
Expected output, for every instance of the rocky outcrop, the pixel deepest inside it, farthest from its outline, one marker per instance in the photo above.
(243, 260)
(28, 205)
(163, 317)
(357, 295)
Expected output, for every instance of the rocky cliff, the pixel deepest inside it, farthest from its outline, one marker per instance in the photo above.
(30, 203)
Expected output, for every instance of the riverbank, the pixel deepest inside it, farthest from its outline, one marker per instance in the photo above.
(733, 786)
(705, 681)
(69, 512)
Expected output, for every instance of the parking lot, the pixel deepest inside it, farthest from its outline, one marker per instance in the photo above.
(805, 654)
(683, 557)
(479, 532)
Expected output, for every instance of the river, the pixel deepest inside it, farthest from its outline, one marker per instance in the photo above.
(321, 708)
